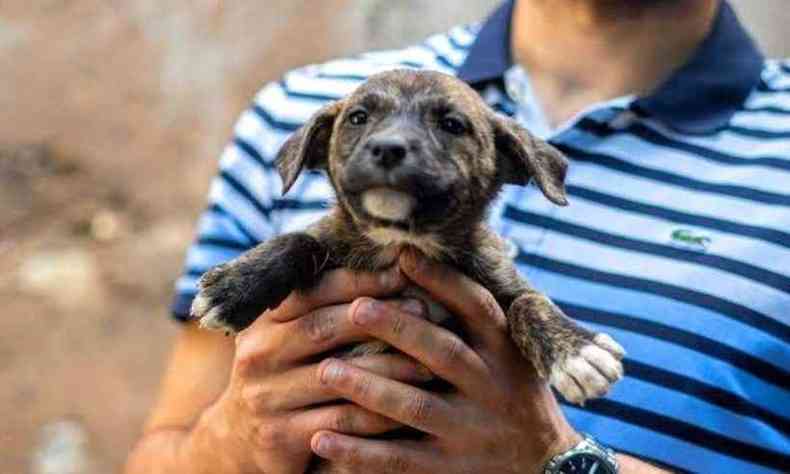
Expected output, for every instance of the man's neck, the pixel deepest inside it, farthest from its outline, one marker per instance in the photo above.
(579, 52)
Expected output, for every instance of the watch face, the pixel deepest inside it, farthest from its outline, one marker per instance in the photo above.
(585, 464)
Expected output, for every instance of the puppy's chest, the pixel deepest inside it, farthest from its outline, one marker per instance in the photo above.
(383, 257)
(372, 258)
(379, 249)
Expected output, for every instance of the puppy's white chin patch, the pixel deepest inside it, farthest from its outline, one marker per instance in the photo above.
(388, 204)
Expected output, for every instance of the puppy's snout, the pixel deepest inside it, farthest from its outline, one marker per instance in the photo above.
(388, 152)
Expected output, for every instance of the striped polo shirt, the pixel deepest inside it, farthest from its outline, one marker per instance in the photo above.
(676, 242)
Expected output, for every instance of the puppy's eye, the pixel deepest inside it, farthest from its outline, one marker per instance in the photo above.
(452, 125)
(360, 117)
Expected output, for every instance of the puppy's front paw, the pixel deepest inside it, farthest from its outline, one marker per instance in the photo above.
(590, 372)
(232, 295)
(208, 307)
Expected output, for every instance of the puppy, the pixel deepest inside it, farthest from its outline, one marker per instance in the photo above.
(415, 159)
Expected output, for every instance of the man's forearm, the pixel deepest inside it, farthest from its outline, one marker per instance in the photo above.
(181, 451)
(630, 465)
(159, 452)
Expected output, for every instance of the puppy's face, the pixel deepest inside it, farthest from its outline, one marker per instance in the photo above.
(419, 152)
(412, 151)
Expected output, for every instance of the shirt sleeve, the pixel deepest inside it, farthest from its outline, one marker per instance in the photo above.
(238, 214)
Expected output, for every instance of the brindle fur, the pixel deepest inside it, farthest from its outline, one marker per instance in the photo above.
(454, 179)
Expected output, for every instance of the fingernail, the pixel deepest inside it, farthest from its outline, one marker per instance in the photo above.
(367, 311)
(321, 444)
(389, 278)
(415, 263)
(408, 260)
(331, 371)
(414, 307)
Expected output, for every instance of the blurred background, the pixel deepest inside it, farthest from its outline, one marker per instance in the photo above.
(111, 116)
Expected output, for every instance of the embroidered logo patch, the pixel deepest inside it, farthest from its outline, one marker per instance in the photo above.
(690, 239)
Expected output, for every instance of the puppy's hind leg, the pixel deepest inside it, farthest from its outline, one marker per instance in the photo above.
(232, 295)
(578, 363)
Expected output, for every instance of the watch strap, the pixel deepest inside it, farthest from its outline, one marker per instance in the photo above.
(588, 445)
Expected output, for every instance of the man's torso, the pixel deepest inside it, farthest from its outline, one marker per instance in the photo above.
(678, 245)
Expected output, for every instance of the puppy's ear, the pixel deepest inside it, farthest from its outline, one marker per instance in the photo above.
(521, 156)
(308, 147)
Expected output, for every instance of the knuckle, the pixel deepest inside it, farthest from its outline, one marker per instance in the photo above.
(319, 326)
(254, 357)
(256, 400)
(352, 455)
(250, 361)
(451, 352)
(361, 386)
(397, 323)
(419, 409)
(272, 436)
(396, 464)
(343, 421)
(245, 363)
(489, 305)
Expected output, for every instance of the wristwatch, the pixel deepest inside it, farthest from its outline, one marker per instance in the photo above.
(587, 457)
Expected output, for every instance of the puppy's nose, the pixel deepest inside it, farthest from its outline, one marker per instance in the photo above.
(388, 152)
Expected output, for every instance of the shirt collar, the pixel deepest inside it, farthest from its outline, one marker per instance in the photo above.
(699, 97)
(489, 57)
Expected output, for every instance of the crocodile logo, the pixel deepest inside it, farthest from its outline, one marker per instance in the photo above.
(689, 238)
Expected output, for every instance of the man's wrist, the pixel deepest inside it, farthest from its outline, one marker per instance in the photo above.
(564, 441)
(587, 456)
(630, 465)
(557, 436)
(209, 445)
(160, 452)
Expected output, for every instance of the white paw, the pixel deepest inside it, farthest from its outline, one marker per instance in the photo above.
(200, 306)
(605, 341)
(210, 316)
(591, 373)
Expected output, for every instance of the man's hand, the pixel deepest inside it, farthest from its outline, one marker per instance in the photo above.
(264, 420)
(501, 419)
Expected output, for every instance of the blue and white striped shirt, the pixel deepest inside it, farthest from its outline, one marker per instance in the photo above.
(676, 242)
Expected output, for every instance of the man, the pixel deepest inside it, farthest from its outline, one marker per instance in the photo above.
(676, 242)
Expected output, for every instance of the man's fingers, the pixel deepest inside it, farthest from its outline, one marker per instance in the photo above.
(339, 286)
(274, 346)
(316, 332)
(297, 429)
(302, 386)
(364, 455)
(406, 404)
(292, 342)
(346, 418)
(480, 314)
(441, 351)
(325, 329)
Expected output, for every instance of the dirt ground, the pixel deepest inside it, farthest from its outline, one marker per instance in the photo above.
(111, 116)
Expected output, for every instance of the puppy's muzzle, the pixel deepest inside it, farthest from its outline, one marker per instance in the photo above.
(388, 152)
(395, 162)
(393, 178)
